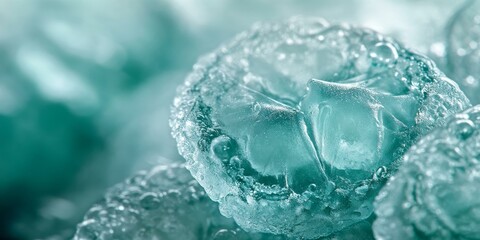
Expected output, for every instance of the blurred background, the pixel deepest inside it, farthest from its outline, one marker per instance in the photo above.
(86, 87)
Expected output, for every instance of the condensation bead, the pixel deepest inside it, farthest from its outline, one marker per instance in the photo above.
(434, 195)
(384, 53)
(302, 103)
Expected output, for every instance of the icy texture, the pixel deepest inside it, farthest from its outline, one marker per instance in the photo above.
(463, 49)
(293, 127)
(434, 195)
(167, 203)
(164, 203)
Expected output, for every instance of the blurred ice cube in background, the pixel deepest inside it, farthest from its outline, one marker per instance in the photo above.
(86, 87)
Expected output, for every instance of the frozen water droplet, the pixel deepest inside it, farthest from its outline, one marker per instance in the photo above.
(464, 128)
(224, 147)
(312, 187)
(225, 234)
(381, 173)
(149, 201)
(384, 53)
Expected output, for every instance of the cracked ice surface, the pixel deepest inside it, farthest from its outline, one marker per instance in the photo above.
(293, 127)
(435, 193)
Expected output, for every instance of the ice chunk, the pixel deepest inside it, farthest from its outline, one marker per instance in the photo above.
(294, 126)
(164, 203)
(435, 193)
(463, 49)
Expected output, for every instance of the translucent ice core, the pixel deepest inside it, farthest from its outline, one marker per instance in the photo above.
(355, 126)
(293, 127)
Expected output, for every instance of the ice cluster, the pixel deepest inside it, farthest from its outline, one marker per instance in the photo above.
(163, 203)
(293, 127)
(435, 193)
(168, 203)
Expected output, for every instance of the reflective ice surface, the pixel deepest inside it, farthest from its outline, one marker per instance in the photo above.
(293, 127)
(435, 193)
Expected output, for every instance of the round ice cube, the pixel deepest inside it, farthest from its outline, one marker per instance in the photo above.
(434, 195)
(163, 203)
(294, 126)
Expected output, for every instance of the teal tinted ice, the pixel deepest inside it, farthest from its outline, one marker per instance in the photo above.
(463, 49)
(435, 194)
(293, 127)
(163, 203)
(167, 203)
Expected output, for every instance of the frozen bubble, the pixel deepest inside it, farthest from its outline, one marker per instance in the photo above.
(384, 53)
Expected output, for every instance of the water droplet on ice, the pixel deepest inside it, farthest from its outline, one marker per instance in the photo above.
(384, 53)
(149, 201)
(225, 234)
(223, 147)
(464, 129)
